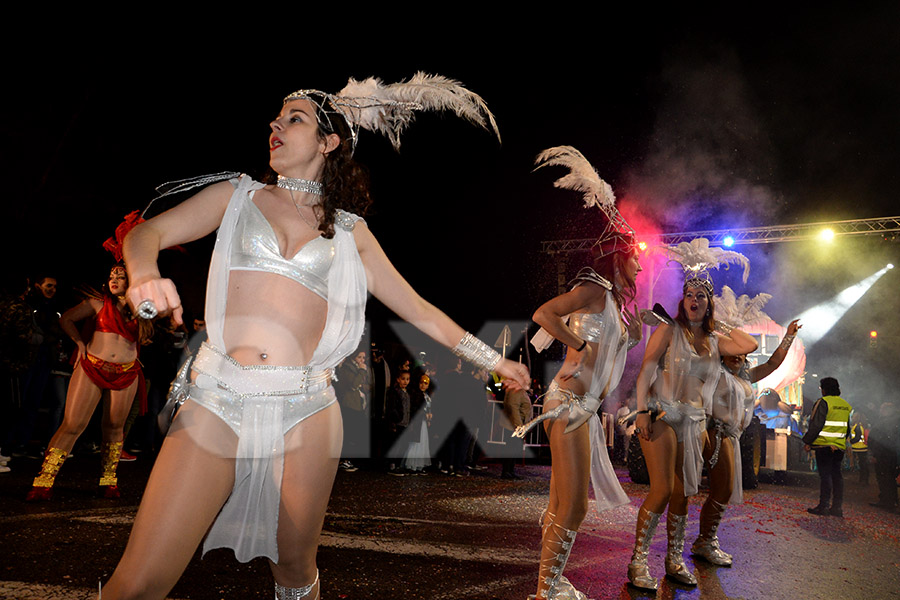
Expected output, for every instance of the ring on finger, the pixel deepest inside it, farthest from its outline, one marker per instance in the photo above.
(637, 429)
(147, 309)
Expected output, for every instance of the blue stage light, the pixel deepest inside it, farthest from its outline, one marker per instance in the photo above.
(728, 241)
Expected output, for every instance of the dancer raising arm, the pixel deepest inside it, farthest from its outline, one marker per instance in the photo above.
(730, 413)
(598, 338)
(682, 389)
(254, 450)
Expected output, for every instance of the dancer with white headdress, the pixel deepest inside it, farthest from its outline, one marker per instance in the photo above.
(592, 321)
(678, 376)
(729, 414)
(252, 453)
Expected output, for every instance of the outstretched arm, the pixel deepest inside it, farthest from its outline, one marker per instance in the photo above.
(192, 219)
(767, 368)
(386, 284)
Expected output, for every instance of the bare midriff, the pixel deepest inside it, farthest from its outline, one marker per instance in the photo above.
(112, 347)
(271, 320)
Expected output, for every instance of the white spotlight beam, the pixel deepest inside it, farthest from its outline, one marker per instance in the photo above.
(818, 320)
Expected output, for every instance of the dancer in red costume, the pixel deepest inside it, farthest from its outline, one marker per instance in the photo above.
(108, 361)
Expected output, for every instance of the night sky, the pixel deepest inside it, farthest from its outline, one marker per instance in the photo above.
(698, 120)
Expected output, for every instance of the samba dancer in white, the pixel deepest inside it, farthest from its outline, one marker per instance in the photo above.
(729, 415)
(682, 392)
(259, 438)
(589, 321)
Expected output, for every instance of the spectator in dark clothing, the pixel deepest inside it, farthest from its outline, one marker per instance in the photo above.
(829, 429)
(396, 416)
(354, 390)
(884, 446)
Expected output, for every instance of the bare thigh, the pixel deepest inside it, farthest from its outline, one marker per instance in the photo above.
(721, 476)
(312, 449)
(660, 454)
(570, 471)
(116, 412)
(81, 401)
(188, 486)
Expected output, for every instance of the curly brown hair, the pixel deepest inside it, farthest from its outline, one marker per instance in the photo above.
(345, 182)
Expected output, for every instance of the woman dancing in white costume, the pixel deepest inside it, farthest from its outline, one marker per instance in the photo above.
(589, 321)
(683, 387)
(259, 438)
(731, 412)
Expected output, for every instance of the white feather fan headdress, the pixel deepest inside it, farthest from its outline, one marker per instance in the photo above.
(389, 109)
(738, 311)
(697, 258)
(583, 177)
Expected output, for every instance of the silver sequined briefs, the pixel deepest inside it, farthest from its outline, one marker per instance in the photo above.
(255, 248)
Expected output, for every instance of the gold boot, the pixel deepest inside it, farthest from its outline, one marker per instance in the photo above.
(706, 545)
(109, 455)
(638, 570)
(42, 487)
(675, 567)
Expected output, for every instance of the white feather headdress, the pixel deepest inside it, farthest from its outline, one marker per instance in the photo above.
(389, 109)
(583, 178)
(697, 258)
(739, 311)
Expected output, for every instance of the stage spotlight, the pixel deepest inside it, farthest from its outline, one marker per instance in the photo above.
(642, 246)
(728, 241)
(818, 320)
(827, 235)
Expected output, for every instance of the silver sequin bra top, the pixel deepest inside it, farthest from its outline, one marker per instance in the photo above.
(589, 326)
(255, 248)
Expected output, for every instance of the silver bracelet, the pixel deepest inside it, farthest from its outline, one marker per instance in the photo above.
(723, 327)
(632, 343)
(478, 353)
(786, 342)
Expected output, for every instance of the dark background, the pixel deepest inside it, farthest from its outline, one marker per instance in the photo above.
(699, 118)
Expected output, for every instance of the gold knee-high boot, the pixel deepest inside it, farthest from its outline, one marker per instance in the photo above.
(675, 567)
(42, 487)
(109, 455)
(638, 569)
(706, 545)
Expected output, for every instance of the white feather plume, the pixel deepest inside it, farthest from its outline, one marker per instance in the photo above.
(697, 256)
(739, 311)
(582, 177)
(389, 109)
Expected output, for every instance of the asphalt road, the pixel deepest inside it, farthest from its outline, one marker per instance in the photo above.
(445, 538)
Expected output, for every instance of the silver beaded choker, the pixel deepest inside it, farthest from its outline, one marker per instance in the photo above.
(300, 185)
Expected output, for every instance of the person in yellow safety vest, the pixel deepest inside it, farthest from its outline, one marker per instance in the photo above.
(829, 428)
(859, 435)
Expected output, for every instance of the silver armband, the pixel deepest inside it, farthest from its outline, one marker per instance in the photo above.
(786, 342)
(478, 353)
(632, 343)
(723, 327)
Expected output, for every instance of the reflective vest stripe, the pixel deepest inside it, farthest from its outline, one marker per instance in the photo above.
(837, 423)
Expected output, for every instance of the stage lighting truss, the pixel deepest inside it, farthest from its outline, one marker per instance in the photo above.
(887, 227)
